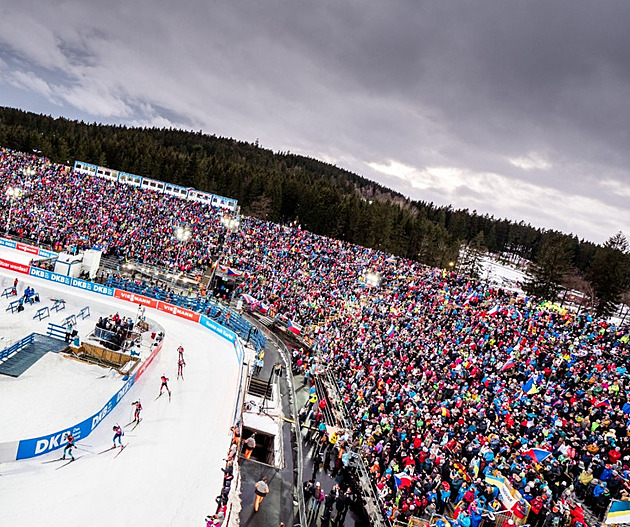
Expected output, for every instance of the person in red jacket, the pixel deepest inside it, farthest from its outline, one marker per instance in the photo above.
(69, 446)
(137, 410)
(164, 384)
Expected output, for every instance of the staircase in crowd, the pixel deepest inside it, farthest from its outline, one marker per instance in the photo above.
(259, 388)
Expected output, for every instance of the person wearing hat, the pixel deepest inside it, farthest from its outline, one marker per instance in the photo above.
(261, 489)
(553, 519)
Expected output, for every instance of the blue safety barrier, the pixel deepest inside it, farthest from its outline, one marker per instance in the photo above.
(207, 306)
(59, 304)
(13, 306)
(14, 348)
(70, 319)
(56, 331)
(84, 313)
(9, 291)
(42, 313)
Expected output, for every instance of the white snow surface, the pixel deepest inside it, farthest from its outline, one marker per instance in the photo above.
(169, 473)
(506, 276)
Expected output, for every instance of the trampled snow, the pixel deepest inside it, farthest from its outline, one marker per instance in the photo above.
(170, 472)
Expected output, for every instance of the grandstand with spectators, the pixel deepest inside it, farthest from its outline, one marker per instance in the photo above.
(428, 396)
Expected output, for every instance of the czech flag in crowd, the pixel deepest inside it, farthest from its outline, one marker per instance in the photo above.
(471, 297)
(249, 299)
(294, 327)
(619, 512)
(390, 331)
(263, 308)
(537, 454)
(402, 480)
(604, 402)
(494, 310)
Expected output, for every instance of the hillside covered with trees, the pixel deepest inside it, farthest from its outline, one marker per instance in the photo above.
(284, 187)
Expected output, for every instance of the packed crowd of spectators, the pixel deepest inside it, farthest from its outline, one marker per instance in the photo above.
(66, 210)
(446, 380)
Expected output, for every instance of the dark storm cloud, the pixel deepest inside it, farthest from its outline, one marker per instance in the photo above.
(518, 109)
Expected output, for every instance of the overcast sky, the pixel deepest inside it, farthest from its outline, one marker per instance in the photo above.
(520, 109)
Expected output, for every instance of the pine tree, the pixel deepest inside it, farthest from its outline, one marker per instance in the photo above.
(551, 265)
(609, 273)
(470, 256)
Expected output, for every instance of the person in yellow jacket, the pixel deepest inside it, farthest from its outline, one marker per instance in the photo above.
(585, 477)
(261, 489)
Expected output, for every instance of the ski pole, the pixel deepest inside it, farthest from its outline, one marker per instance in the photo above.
(85, 449)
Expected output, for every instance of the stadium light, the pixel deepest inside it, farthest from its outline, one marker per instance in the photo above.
(231, 225)
(372, 279)
(182, 234)
(12, 193)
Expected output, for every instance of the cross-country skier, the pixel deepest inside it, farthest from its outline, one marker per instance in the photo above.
(136, 413)
(118, 433)
(180, 350)
(68, 448)
(180, 367)
(164, 384)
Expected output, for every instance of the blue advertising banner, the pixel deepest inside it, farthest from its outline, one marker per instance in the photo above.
(7, 243)
(47, 254)
(238, 347)
(72, 282)
(42, 445)
(217, 328)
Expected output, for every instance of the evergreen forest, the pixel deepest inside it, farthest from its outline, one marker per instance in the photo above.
(328, 200)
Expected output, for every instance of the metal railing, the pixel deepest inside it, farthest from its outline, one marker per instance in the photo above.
(295, 431)
(15, 348)
(372, 503)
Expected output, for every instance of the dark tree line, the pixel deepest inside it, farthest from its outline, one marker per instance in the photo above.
(284, 187)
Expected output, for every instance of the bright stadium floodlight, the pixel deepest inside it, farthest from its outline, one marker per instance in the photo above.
(12, 193)
(231, 224)
(182, 234)
(372, 279)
